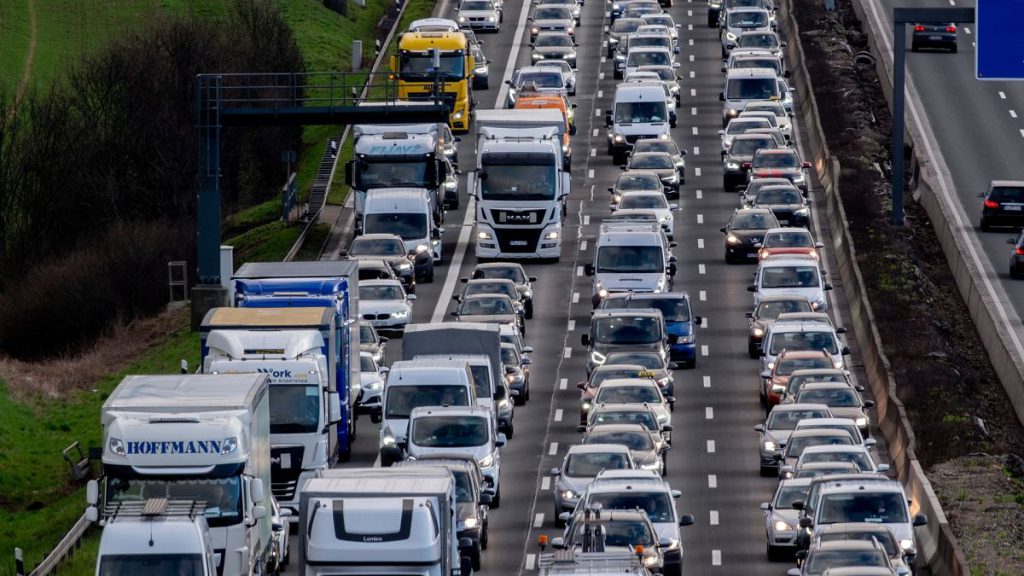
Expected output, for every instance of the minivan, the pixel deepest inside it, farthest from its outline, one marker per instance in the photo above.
(405, 212)
(639, 111)
(631, 257)
(627, 330)
(745, 85)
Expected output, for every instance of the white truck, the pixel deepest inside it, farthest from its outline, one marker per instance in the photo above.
(367, 521)
(302, 405)
(520, 184)
(194, 437)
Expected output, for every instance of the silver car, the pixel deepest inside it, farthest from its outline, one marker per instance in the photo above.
(552, 17)
(580, 466)
(479, 15)
(568, 73)
(781, 520)
(554, 46)
(648, 448)
(780, 424)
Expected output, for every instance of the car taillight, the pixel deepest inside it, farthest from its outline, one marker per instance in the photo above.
(918, 28)
(989, 203)
(951, 29)
(1020, 250)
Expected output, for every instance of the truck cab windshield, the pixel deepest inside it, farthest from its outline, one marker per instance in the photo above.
(625, 259)
(519, 182)
(402, 399)
(419, 67)
(640, 112)
(407, 225)
(223, 496)
(151, 564)
(294, 409)
(392, 173)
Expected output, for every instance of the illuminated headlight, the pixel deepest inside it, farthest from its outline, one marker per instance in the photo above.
(818, 304)
(490, 18)
(769, 446)
(801, 211)
(662, 382)
(373, 385)
(650, 561)
(480, 71)
(229, 445)
(771, 366)
(553, 235)
(732, 239)
(799, 177)
(462, 18)
(404, 266)
(570, 30)
(616, 7)
(907, 544)
(534, 30)
(672, 545)
(733, 113)
(536, 56)
(620, 57)
(389, 438)
(484, 236)
(732, 166)
(457, 116)
(730, 36)
(586, 405)
(664, 219)
(782, 526)
(685, 339)
(673, 178)
(618, 138)
(569, 495)
(758, 332)
(504, 404)
(663, 136)
(487, 461)
(565, 148)
(597, 358)
(471, 523)
(652, 465)
(116, 446)
(451, 185)
(421, 248)
(862, 422)
(400, 314)
(613, 41)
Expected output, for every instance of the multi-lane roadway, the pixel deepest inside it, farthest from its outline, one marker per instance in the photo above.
(714, 458)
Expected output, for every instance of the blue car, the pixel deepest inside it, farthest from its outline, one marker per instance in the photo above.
(679, 319)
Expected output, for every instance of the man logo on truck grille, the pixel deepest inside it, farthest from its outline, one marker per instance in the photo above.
(507, 217)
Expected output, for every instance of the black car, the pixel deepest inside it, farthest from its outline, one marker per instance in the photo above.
(780, 163)
(618, 31)
(744, 233)
(391, 249)
(509, 271)
(754, 186)
(741, 152)
(1003, 204)
(940, 36)
(788, 204)
(1017, 257)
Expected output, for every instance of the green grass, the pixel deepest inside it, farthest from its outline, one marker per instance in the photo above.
(314, 241)
(40, 501)
(267, 243)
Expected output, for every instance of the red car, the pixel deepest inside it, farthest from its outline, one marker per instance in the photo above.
(789, 241)
(588, 388)
(775, 381)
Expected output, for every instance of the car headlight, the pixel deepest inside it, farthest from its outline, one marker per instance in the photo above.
(553, 235)
(663, 136)
(569, 495)
(421, 248)
(652, 465)
(906, 544)
(613, 41)
(616, 7)
(602, 293)
(484, 236)
(597, 358)
(862, 422)
(799, 177)
(769, 446)
(534, 30)
(536, 56)
(662, 382)
(462, 18)
(451, 185)
(504, 404)
(490, 18)
(117, 446)
(372, 385)
(565, 148)
(400, 314)
(665, 219)
(782, 526)
(457, 116)
(732, 113)
(620, 57)
(685, 339)
(732, 166)
(819, 303)
(618, 138)
(570, 30)
(730, 36)
(388, 439)
(471, 523)
(758, 332)
(652, 560)
(487, 461)
(404, 266)
(732, 239)
(771, 366)
(801, 212)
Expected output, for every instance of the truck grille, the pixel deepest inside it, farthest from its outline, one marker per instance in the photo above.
(522, 241)
(285, 480)
(376, 316)
(517, 217)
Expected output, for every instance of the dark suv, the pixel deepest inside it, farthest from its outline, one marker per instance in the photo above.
(679, 319)
(625, 330)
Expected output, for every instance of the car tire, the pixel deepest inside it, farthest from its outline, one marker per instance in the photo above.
(510, 430)
(496, 499)
(752, 350)
(526, 391)
(529, 309)
(1014, 274)
(914, 47)
(483, 537)
(519, 400)
(985, 226)
(953, 49)
(774, 553)
(766, 472)
(474, 558)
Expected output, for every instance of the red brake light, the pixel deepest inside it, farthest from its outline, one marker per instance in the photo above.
(1020, 250)
(951, 29)
(989, 203)
(918, 28)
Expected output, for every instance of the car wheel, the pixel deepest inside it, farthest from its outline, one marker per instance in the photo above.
(712, 22)
(953, 49)
(914, 48)
(496, 499)
(751, 350)
(526, 388)
(985, 226)
(774, 553)
(519, 400)
(483, 537)
(767, 471)
(529, 309)
(510, 430)
(429, 276)
(474, 558)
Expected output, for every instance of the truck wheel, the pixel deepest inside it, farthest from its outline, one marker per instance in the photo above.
(345, 455)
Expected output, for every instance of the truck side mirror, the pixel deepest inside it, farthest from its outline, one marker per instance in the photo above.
(92, 514)
(721, 96)
(350, 172)
(92, 493)
(486, 499)
(259, 512)
(333, 409)
(256, 490)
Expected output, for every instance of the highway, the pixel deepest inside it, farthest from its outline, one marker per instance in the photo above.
(955, 109)
(714, 459)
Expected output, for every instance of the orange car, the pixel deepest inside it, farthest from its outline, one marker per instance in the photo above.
(527, 100)
(774, 381)
(788, 241)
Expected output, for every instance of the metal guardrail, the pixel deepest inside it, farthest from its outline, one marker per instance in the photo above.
(64, 549)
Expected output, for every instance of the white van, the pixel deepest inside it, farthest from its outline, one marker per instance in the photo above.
(405, 212)
(639, 111)
(415, 383)
(480, 366)
(745, 85)
(631, 257)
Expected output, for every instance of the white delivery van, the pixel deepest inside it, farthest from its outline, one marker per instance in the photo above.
(639, 111)
(745, 85)
(405, 212)
(631, 257)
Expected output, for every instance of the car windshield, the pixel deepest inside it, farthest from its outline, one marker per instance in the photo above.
(619, 533)
(625, 26)
(770, 309)
(509, 356)
(627, 395)
(742, 125)
(449, 431)
(545, 40)
(862, 460)
(402, 399)
(757, 41)
(366, 335)
(818, 561)
(626, 259)
(472, 5)
(635, 181)
(648, 57)
(361, 247)
(643, 201)
(673, 309)
(492, 288)
(542, 79)
(151, 564)
(883, 536)
(752, 89)
(803, 341)
(788, 419)
(796, 239)
(486, 307)
(789, 277)
(588, 465)
(766, 62)
(826, 469)
(601, 374)
(833, 397)
(753, 19)
(776, 160)
(519, 182)
(658, 505)
(778, 195)
(407, 225)
(385, 292)
(786, 495)
(366, 364)
(651, 360)
(640, 112)
(223, 496)
(627, 330)
(660, 20)
(795, 382)
(644, 418)
(650, 41)
(513, 273)
(753, 221)
(1007, 194)
(549, 63)
(654, 161)
(552, 13)
(877, 507)
(632, 439)
(786, 366)
(797, 444)
(773, 122)
(377, 173)
(747, 146)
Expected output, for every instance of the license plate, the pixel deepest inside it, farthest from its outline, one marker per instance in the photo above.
(1012, 208)
(517, 242)
(935, 37)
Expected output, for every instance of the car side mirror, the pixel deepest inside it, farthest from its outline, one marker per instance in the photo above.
(870, 442)
(588, 269)
(533, 278)
(527, 349)
(748, 314)
(759, 428)
(556, 472)
(828, 287)
(920, 520)
(581, 385)
(766, 506)
(486, 499)
(410, 297)
(585, 339)
(501, 440)
(751, 288)
(805, 522)
(805, 165)
(686, 520)
(1011, 240)
(869, 403)
(608, 120)
(883, 467)
(721, 96)
(846, 350)
(840, 330)
(454, 313)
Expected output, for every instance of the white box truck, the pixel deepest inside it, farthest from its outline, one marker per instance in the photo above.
(195, 437)
(366, 521)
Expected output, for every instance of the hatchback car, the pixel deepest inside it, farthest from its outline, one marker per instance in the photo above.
(748, 194)
(554, 46)
(740, 20)
(781, 520)
(666, 146)
(517, 373)
(635, 391)
(737, 126)
(492, 286)
(780, 424)
(789, 241)
(736, 160)
(391, 248)
(491, 308)
(636, 180)
(552, 17)
(867, 531)
(800, 377)
(649, 201)
(580, 466)
(647, 448)
(790, 206)
(385, 305)
(745, 232)
(791, 275)
(841, 554)
(568, 73)
(509, 271)
(780, 163)
(372, 342)
(765, 312)
(761, 39)
(775, 381)
(619, 30)
(804, 438)
(842, 399)
(589, 387)
(1017, 256)
(625, 413)
(1003, 204)
(656, 367)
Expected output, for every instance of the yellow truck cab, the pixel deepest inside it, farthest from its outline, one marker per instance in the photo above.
(413, 68)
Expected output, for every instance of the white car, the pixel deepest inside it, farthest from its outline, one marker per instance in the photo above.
(782, 117)
(479, 15)
(737, 126)
(371, 384)
(761, 39)
(649, 202)
(666, 74)
(743, 19)
(664, 19)
(384, 304)
(789, 274)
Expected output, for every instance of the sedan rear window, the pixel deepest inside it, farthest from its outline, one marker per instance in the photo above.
(804, 341)
(880, 508)
(752, 89)
(1007, 194)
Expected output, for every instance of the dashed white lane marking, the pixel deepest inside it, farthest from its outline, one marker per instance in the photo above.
(545, 483)
(689, 27)
(1022, 133)
(586, 220)
(712, 480)
(596, 132)
(713, 518)
(563, 384)
(700, 243)
(700, 220)
(538, 520)
(553, 449)
(696, 171)
(694, 130)
(579, 272)
(711, 446)
(952, 2)
(1013, 114)
(583, 246)
(531, 561)
(707, 381)
(600, 93)
(716, 557)
(693, 74)
(689, 13)
(691, 57)
(558, 415)
(703, 295)
(701, 269)
(691, 41)
(693, 91)
(575, 297)
(1002, 95)
(590, 173)
(967, 30)
(703, 349)
(593, 152)
(709, 413)
(705, 323)
(597, 112)
(603, 59)
(600, 75)
(699, 194)
(567, 353)
(696, 150)
(571, 325)
(693, 111)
